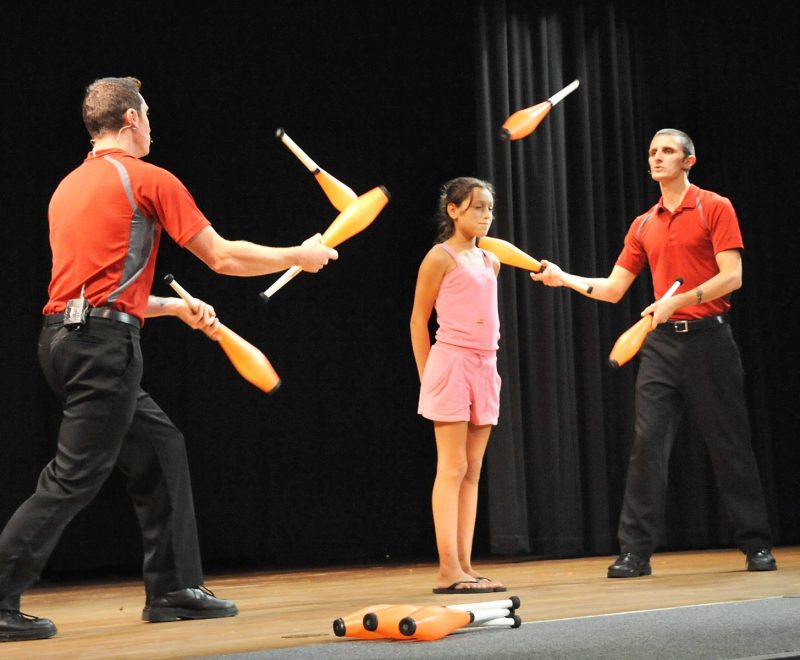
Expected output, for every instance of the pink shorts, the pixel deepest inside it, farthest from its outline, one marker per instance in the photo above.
(460, 385)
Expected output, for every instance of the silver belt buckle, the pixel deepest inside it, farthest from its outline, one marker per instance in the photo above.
(680, 326)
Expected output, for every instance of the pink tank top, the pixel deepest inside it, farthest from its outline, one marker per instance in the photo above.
(466, 306)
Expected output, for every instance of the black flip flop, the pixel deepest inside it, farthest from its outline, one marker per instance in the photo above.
(453, 588)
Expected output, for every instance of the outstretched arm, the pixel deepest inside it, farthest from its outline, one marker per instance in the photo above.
(608, 289)
(244, 259)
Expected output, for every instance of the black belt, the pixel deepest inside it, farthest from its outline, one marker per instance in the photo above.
(97, 312)
(680, 327)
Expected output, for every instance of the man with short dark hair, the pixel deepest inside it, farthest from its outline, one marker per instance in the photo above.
(106, 219)
(690, 361)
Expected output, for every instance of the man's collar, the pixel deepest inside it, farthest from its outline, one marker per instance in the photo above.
(689, 200)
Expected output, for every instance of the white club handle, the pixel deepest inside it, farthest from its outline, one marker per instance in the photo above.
(555, 98)
(297, 151)
(282, 281)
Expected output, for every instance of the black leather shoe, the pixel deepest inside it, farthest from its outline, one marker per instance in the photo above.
(15, 626)
(629, 565)
(191, 603)
(761, 560)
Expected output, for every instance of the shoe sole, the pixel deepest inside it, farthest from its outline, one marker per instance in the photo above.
(163, 615)
(27, 635)
(627, 574)
(475, 590)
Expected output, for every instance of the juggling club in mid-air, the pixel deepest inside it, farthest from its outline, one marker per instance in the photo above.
(525, 121)
(338, 193)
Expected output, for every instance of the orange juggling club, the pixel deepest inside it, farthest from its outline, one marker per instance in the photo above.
(631, 340)
(251, 363)
(436, 621)
(510, 255)
(524, 122)
(338, 193)
(386, 622)
(358, 215)
(352, 625)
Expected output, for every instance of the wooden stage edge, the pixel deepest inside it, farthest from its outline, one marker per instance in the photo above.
(296, 608)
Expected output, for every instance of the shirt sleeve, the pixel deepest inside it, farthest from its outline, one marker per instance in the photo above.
(633, 257)
(172, 204)
(723, 225)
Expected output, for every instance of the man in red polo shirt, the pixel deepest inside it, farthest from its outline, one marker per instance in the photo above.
(106, 220)
(691, 361)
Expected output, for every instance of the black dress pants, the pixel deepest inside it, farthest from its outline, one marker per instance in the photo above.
(699, 372)
(108, 421)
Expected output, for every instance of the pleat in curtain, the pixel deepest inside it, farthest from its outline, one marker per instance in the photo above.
(552, 489)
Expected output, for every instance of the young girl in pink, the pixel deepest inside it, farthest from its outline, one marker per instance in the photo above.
(460, 386)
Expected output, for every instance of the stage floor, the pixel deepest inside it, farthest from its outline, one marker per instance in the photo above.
(289, 609)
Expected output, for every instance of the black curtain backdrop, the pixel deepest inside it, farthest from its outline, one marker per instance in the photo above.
(336, 467)
(569, 191)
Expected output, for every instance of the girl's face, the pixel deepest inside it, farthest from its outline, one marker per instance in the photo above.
(474, 216)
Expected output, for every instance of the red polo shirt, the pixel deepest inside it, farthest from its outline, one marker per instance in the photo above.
(106, 218)
(683, 243)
